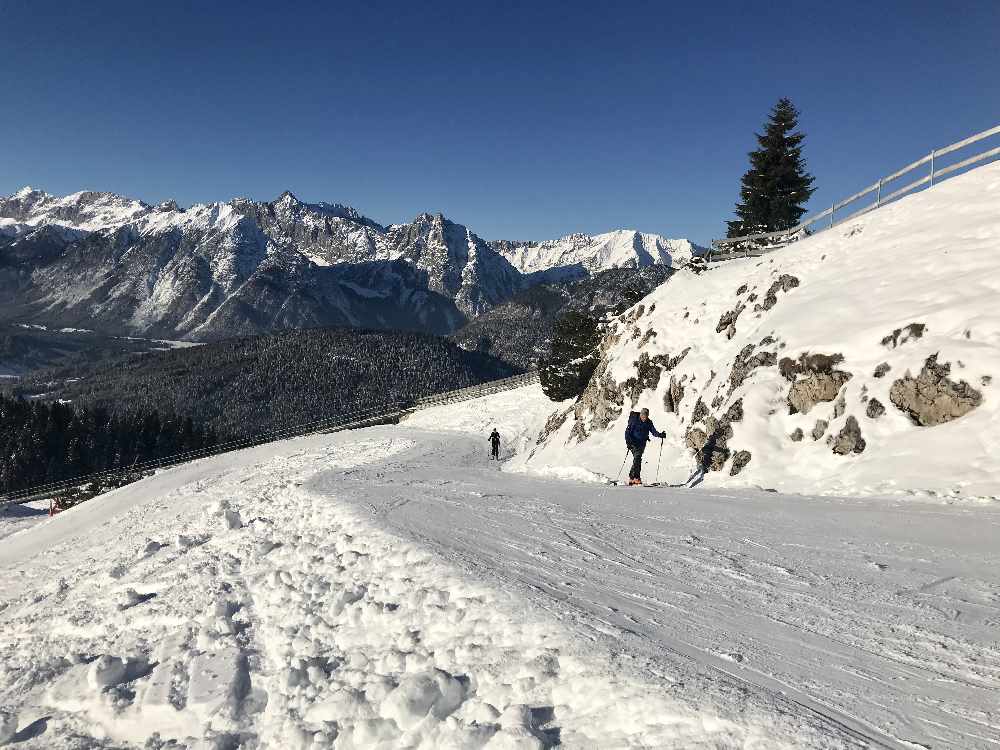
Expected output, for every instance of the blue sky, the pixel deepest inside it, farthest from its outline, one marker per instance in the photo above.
(521, 120)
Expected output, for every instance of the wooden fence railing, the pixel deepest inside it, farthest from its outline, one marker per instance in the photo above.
(757, 244)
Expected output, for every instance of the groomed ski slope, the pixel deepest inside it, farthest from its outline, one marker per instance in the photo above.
(392, 588)
(252, 600)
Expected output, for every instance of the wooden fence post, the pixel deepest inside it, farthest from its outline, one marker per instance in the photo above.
(878, 194)
(932, 165)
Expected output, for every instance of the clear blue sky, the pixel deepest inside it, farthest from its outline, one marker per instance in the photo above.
(522, 120)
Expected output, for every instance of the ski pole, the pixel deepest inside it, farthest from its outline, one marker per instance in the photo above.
(618, 476)
(658, 462)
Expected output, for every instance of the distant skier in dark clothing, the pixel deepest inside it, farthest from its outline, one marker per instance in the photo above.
(636, 436)
(495, 443)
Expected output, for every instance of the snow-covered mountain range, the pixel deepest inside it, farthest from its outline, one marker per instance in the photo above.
(103, 261)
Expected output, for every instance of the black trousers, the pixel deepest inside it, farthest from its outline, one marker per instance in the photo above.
(496, 451)
(636, 470)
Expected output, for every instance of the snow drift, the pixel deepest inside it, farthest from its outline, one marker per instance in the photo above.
(861, 360)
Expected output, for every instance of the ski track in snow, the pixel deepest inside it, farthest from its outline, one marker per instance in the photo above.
(240, 602)
(880, 620)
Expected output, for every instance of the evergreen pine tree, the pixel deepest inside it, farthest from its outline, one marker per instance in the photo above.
(566, 372)
(775, 189)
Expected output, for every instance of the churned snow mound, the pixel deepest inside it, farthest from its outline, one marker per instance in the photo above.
(226, 603)
(862, 360)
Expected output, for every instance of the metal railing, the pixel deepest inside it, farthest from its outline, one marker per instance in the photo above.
(383, 414)
(758, 244)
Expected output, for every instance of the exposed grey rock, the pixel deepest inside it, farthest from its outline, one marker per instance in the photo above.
(647, 337)
(700, 411)
(727, 322)
(556, 420)
(746, 362)
(741, 290)
(881, 370)
(672, 398)
(718, 401)
(797, 435)
(785, 283)
(900, 336)
(819, 429)
(986, 379)
(849, 438)
(709, 444)
(735, 411)
(810, 390)
(603, 399)
(741, 459)
(647, 378)
(932, 398)
(839, 407)
(875, 409)
(667, 362)
(806, 363)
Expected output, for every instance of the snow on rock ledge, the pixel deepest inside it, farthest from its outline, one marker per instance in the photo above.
(804, 337)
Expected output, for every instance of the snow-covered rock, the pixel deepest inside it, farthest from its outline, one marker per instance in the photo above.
(878, 342)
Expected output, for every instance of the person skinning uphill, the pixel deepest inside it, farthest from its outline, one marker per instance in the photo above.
(640, 426)
(495, 443)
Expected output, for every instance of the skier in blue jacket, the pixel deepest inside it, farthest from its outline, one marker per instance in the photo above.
(636, 436)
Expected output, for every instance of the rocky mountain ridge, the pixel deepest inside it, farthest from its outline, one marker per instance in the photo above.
(102, 261)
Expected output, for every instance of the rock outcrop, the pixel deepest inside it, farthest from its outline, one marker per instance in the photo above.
(814, 379)
(740, 459)
(932, 398)
(806, 392)
(900, 336)
(819, 429)
(849, 438)
(875, 409)
(746, 362)
(785, 283)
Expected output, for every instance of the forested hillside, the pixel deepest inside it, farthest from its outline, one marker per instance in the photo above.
(247, 386)
(520, 330)
(44, 442)
(26, 348)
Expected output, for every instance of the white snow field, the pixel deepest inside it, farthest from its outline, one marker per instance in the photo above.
(884, 292)
(390, 588)
(254, 600)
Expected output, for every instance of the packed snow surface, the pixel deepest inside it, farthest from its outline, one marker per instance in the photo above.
(391, 588)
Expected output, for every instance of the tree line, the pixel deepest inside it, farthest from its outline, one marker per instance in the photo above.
(773, 194)
(43, 442)
(248, 386)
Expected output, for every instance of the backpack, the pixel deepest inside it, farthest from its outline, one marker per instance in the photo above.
(633, 419)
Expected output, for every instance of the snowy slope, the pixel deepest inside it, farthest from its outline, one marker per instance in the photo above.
(577, 254)
(518, 415)
(85, 210)
(718, 357)
(256, 600)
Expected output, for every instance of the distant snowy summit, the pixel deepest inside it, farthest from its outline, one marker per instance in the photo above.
(584, 254)
(96, 259)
